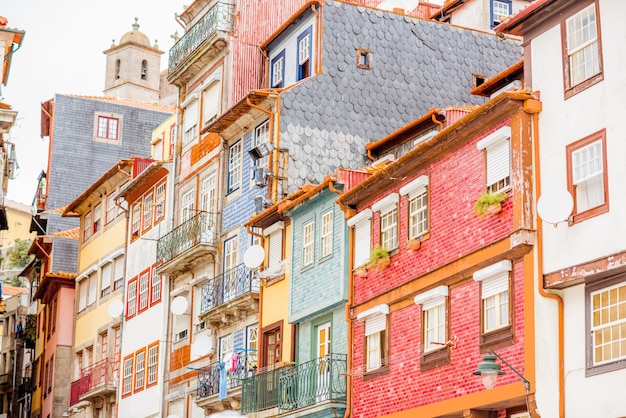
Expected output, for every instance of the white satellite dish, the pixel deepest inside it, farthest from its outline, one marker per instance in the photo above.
(555, 206)
(202, 345)
(115, 309)
(179, 305)
(254, 256)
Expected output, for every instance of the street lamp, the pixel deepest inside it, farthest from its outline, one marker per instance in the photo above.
(489, 371)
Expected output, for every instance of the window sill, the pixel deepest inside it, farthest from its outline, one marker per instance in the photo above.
(434, 359)
(605, 368)
(373, 374)
(584, 85)
(589, 213)
(497, 339)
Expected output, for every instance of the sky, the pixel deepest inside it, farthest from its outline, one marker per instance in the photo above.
(62, 53)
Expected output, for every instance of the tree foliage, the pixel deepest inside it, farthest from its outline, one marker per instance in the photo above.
(18, 254)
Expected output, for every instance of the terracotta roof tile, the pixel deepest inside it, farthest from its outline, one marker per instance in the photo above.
(70, 233)
(158, 107)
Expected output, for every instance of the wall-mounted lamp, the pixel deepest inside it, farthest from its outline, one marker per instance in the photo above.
(489, 371)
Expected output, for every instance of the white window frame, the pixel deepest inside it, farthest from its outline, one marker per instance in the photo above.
(144, 291)
(588, 174)
(581, 24)
(278, 66)
(190, 119)
(187, 204)
(375, 332)
(497, 148)
(127, 387)
(308, 243)
(235, 166)
(136, 223)
(434, 306)
(362, 224)
(208, 192)
(612, 302)
(153, 364)
(107, 276)
(495, 282)
(498, 12)
(111, 210)
(140, 368)
(418, 207)
(159, 202)
(327, 234)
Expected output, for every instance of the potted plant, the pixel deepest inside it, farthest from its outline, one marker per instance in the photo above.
(379, 257)
(414, 244)
(489, 203)
(360, 271)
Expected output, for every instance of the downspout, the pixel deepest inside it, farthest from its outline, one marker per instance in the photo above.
(348, 410)
(271, 191)
(436, 121)
(320, 30)
(542, 291)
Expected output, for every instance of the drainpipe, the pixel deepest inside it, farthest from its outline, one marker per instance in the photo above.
(271, 191)
(348, 411)
(542, 291)
(318, 40)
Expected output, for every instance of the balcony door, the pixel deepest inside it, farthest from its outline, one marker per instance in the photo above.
(323, 361)
(230, 268)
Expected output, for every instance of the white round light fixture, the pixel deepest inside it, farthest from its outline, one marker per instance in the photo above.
(254, 256)
(555, 206)
(179, 305)
(115, 309)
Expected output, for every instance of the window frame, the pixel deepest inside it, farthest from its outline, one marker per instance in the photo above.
(128, 378)
(569, 151)
(135, 227)
(388, 227)
(159, 202)
(490, 145)
(363, 58)
(502, 336)
(152, 365)
(143, 295)
(326, 234)
(131, 301)
(87, 226)
(304, 66)
(570, 89)
(235, 167)
(383, 336)
(104, 121)
(308, 243)
(275, 82)
(414, 191)
(155, 278)
(147, 211)
(139, 373)
(97, 218)
(437, 355)
(492, 14)
(111, 208)
(592, 286)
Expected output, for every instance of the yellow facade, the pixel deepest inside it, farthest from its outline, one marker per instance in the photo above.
(18, 219)
(162, 140)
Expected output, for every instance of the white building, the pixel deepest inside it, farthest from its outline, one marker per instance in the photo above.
(577, 67)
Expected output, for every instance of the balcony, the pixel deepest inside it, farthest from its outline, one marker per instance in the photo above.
(196, 239)
(233, 294)
(209, 381)
(5, 379)
(95, 381)
(200, 44)
(317, 386)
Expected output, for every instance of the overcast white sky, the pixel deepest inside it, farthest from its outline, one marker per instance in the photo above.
(62, 53)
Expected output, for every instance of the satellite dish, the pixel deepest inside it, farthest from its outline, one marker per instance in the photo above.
(116, 307)
(555, 205)
(254, 256)
(179, 305)
(202, 345)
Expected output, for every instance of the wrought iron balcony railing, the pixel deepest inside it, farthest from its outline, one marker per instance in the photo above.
(201, 229)
(319, 380)
(227, 286)
(5, 379)
(98, 375)
(218, 18)
(233, 373)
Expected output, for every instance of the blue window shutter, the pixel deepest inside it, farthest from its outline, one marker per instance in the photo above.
(238, 340)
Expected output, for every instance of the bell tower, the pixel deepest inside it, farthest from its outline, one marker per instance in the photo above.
(133, 68)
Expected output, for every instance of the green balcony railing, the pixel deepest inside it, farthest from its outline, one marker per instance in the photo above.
(218, 18)
(201, 229)
(316, 381)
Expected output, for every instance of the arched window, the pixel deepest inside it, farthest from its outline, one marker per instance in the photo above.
(144, 70)
(117, 69)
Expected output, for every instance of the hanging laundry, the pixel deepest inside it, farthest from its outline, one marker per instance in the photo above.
(223, 389)
(234, 360)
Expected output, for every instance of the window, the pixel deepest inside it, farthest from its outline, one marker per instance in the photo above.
(157, 148)
(118, 277)
(304, 55)
(278, 70)
(234, 166)
(117, 69)
(153, 364)
(582, 51)
(136, 224)
(127, 385)
(105, 283)
(108, 128)
(117, 348)
(274, 234)
(87, 226)
(131, 300)
(144, 290)
(606, 324)
(308, 243)
(363, 58)
(211, 100)
(51, 373)
(587, 176)
(190, 122)
(147, 211)
(78, 365)
(111, 208)
(159, 204)
(83, 290)
(388, 208)
(140, 362)
(155, 294)
(434, 327)
(93, 288)
(375, 336)
(327, 234)
(187, 205)
(500, 9)
(497, 148)
(208, 193)
(495, 303)
(261, 136)
(362, 225)
(144, 70)
(97, 218)
(416, 192)
(252, 343)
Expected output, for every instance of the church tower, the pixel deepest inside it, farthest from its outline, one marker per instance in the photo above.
(133, 68)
